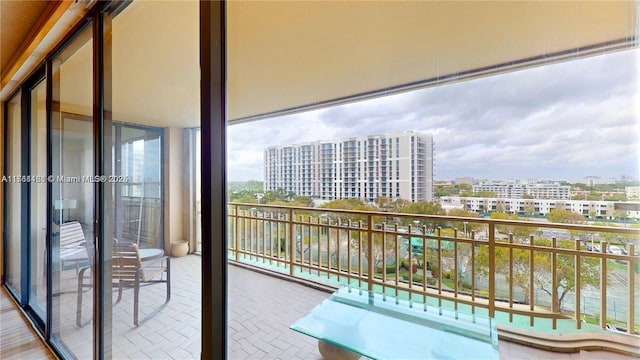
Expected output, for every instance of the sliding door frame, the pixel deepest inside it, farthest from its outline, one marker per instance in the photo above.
(213, 180)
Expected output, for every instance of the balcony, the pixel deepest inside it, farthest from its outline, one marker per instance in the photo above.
(305, 253)
(543, 260)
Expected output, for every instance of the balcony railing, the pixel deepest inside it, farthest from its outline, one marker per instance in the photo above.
(556, 276)
(528, 275)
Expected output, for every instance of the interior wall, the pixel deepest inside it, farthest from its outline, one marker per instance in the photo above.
(174, 204)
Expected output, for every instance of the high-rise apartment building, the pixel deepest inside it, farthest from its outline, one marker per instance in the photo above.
(398, 166)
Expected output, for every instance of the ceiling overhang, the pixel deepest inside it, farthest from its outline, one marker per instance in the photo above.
(293, 56)
(290, 56)
(28, 32)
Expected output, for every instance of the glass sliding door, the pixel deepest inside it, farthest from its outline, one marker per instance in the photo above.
(38, 199)
(151, 99)
(72, 193)
(139, 207)
(13, 195)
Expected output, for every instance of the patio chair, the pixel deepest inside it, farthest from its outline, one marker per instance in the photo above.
(129, 271)
(72, 244)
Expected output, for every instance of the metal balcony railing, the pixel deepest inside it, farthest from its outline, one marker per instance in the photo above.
(541, 276)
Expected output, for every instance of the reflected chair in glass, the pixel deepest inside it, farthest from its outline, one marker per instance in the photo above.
(130, 271)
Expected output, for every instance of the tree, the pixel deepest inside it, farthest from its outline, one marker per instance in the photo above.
(362, 207)
(273, 195)
(470, 226)
(302, 201)
(344, 204)
(484, 194)
(616, 197)
(565, 269)
(440, 190)
(563, 216)
(249, 199)
(382, 202)
(426, 208)
(398, 204)
(378, 249)
(529, 209)
(565, 273)
(465, 187)
(519, 232)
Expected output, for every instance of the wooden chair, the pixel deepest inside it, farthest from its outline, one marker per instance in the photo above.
(128, 271)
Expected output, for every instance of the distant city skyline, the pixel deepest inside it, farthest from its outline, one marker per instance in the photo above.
(557, 122)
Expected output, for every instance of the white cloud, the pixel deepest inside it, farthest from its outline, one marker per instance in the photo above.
(560, 121)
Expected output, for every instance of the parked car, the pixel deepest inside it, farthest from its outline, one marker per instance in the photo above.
(617, 250)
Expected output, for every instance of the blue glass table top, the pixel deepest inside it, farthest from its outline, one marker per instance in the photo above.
(384, 327)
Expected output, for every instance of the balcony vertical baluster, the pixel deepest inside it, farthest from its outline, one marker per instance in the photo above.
(397, 258)
(309, 248)
(319, 252)
(338, 249)
(576, 275)
(360, 253)
(278, 243)
(410, 251)
(473, 273)
(370, 253)
(236, 232)
(511, 277)
(603, 285)
(531, 282)
(349, 254)
(424, 265)
(270, 225)
(384, 257)
(252, 251)
(492, 269)
(329, 251)
(264, 238)
(455, 269)
(439, 232)
(631, 273)
(292, 243)
(245, 238)
(554, 282)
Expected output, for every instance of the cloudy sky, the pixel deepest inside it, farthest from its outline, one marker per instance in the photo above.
(562, 121)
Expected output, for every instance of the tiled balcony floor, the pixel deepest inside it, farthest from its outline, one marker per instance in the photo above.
(261, 308)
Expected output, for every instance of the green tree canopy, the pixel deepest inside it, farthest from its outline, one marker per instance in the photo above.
(382, 202)
(519, 232)
(303, 201)
(424, 208)
(470, 226)
(565, 269)
(465, 187)
(344, 204)
(563, 216)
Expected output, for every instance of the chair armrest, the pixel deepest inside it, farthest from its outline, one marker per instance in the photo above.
(147, 263)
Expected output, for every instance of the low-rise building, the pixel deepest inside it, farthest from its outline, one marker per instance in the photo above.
(541, 207)
(518, 190)
(633, 192)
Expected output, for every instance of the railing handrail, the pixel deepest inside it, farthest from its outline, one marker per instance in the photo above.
(550, 225)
